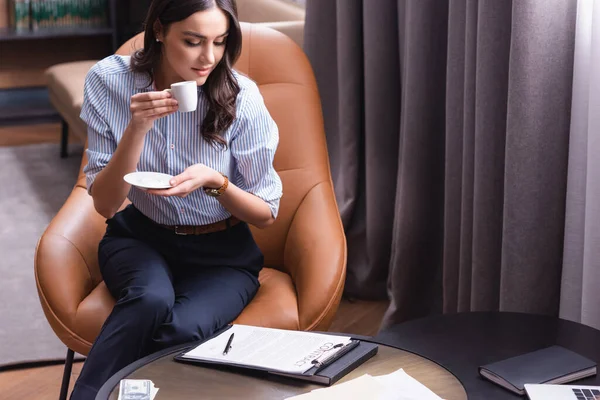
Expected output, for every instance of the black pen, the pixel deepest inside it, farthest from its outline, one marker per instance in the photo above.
(228, 345)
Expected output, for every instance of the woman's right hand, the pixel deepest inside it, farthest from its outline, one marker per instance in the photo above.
(149, 106)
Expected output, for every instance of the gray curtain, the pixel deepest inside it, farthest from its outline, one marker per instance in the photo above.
(448, 129)
(580, 294)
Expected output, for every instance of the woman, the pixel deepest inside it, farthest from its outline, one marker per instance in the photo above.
(172, 288)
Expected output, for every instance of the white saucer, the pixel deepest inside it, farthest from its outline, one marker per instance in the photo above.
(149, 180)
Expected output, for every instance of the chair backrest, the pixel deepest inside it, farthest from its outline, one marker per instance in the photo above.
(287, 83)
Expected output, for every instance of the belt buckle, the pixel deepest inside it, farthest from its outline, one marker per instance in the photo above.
(177, 232)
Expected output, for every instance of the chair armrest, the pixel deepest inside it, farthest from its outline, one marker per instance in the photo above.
(66, 266)
(315, 256)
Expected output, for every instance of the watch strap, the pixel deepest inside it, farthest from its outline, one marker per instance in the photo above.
(218, 191)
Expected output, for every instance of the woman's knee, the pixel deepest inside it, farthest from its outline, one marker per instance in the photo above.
(149, 302)
(179, 331)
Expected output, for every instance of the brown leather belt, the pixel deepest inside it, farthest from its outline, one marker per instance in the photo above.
(202, 229)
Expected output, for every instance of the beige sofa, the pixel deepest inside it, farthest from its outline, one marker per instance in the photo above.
(281, 15)
(65, 81)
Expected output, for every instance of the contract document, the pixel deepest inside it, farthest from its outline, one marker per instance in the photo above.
(276, 350)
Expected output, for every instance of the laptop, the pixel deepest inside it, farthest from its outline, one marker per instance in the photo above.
(562, 392)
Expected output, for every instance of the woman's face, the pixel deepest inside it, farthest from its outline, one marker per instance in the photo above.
(193, 47)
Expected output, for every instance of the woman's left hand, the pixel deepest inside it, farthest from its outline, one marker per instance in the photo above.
(194, 177)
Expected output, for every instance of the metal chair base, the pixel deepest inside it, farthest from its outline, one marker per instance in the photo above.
(64, 388)
(64, 139)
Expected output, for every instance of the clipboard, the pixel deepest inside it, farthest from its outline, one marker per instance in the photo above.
(326, 371)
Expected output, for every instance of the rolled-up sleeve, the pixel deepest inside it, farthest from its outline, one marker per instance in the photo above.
(101, 141)
(253, 147)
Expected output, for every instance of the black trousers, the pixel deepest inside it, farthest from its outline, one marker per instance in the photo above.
(170, 289)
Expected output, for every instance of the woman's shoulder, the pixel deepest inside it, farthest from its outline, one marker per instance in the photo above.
(248, 88)
(112, 65)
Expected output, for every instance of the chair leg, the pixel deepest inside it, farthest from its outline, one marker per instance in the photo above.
(64, 388)
(64, 139)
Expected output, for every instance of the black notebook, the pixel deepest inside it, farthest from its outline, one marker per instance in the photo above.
(314, 357)
(551, 365)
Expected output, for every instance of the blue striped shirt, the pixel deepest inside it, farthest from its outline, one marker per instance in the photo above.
(175, 143)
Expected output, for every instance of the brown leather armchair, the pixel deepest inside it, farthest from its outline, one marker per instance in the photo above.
(305, 249)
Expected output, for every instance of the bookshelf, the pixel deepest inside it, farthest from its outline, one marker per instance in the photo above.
(28, 52)
(7, 34)
(109, 28)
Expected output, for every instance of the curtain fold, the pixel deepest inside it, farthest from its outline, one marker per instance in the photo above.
(580, 297)
(541, 76)
(448, 129)
(415, 276)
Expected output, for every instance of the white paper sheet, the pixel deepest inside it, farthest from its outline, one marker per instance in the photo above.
(395, 386)
(363, 387)
(404, 387)
(273, 349)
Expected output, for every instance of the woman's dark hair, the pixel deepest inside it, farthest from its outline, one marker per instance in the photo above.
(221, 87)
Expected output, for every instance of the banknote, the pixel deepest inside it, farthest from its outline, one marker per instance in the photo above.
(136, 389)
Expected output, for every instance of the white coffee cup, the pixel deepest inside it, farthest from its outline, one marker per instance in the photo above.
(186, 94)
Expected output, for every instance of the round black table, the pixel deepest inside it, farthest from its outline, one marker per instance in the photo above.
(463, 342)
(179, 381)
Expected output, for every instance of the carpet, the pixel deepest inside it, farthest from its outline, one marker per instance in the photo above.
(34, 183)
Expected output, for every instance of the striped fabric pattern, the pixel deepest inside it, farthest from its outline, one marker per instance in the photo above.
(175, 143)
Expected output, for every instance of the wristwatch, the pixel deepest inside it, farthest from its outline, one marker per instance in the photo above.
(219, 191)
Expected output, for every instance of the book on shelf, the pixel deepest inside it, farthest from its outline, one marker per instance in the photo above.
(47, 14)
(19, 15)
